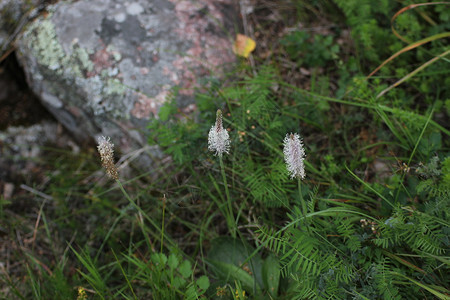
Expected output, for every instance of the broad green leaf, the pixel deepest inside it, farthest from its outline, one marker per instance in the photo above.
(232, 272)
(233, 252)
(271, 275)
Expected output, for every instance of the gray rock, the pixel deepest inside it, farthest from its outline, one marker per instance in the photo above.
(21, 148)
(104, 67)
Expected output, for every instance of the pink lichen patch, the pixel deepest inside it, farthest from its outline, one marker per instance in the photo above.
(217, 53)
(190, 20)
(196, 50)
(189, 83)
(195, 15)
(198, 23)
(180, 62)
(171, 74)
(102, 59)
(188, 79)
(144, 71)
(145, 106)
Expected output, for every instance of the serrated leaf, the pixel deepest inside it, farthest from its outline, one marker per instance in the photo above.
(185, 269)
(159, 259)
(178, 282)
(173, 261)
(203, 283)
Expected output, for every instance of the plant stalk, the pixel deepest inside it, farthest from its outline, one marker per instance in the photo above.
(304, 208)
(230, 218)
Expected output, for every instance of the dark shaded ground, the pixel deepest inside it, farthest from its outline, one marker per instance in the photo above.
(18, 105)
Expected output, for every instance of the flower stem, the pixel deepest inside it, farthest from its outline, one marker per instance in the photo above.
(230, 217)
(304, 209)
(142, 213)
(125, 192)
(162, 226)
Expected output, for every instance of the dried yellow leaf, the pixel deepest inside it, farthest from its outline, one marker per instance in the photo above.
(243, 45)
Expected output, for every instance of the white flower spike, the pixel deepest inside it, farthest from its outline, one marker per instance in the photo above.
(218, 138)
(106, 150)
(294, 155)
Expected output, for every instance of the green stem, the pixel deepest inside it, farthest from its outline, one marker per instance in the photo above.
(230, 218)
(125, 192)
(150, 220)
(304, 209)
(162, 226)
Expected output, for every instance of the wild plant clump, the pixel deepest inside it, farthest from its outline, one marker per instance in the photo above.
(337, 233)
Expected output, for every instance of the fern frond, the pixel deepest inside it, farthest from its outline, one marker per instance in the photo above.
(275, 241)
(346, 229)
(384, 280)
(425, 235)
(266, 184)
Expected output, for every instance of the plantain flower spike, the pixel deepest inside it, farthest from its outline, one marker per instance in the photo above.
(294, 155)
(106, 150)
(218, 138)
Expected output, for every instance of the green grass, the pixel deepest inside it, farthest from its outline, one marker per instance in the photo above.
(369, 221)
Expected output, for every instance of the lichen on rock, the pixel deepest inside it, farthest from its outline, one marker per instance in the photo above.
(40, 38)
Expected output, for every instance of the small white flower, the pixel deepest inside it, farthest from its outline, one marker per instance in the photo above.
(294, 155)
(218, 138)
(106, 150)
